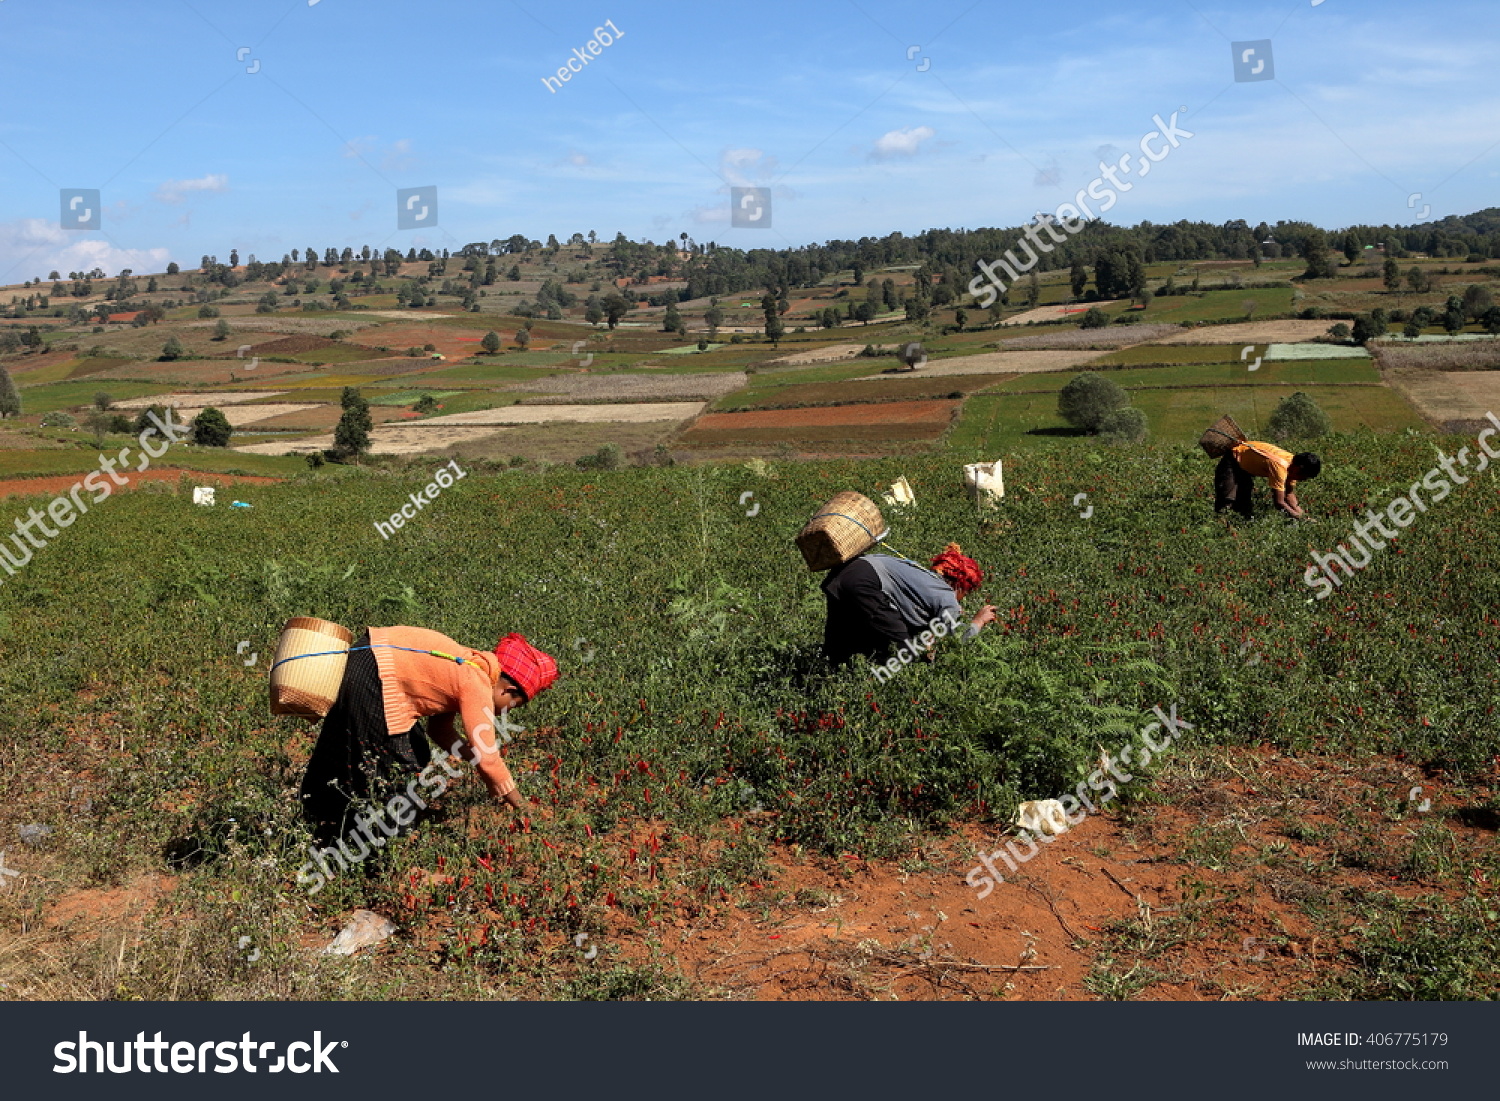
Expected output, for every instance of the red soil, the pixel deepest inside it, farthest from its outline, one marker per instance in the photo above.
(55, 484)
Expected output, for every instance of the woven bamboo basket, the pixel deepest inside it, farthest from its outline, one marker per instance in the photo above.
(843, 529)
(308, 686)
(1220, 436)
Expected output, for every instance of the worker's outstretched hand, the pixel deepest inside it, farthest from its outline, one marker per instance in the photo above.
(986, 616)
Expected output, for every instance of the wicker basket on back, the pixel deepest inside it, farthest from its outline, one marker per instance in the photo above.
(309, 685)
(1220, 436)
(843, 529)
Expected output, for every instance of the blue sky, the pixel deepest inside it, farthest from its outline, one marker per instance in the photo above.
(1002, 109)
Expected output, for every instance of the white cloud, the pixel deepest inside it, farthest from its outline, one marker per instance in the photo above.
(742, 167)
(30, 247)
(175, 191)
(901, 143)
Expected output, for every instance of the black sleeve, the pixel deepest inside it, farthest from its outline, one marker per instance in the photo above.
(860, 618)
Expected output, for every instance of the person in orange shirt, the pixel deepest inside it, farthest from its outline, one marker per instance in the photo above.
(373, 741)
(1234, 479)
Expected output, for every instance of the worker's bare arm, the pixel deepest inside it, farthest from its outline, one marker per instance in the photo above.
(1286, 502)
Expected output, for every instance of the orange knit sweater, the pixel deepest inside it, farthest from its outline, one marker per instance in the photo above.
(419, 685)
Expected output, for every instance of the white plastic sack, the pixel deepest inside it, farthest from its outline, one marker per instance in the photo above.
(986, 481)
(900, 493)
(1042, 816)
(203, 495)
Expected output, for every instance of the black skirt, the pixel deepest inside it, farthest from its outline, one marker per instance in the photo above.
(356, 761)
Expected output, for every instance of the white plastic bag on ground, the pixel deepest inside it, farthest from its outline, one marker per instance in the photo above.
(203, 495)
(900, 493)
(365, 928)
(986, 482)
(1042, 816)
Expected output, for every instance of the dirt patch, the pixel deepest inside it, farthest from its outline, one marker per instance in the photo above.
(320, 417)
(1116, 336)
(199, 399)
(1250, 332)
(888, 388)
(110, 905)
(637, 412)
(393, 440)
(1071, 310)
(620, 387)
(882, 413)
(1468, 355)
(55, 484)
(240, 415)
(293, 345)
(448, 341)
(990, 363)
(832, 353)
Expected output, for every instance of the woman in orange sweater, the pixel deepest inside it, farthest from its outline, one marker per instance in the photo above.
(373, 740)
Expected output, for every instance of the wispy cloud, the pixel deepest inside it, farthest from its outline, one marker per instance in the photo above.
(175, 191)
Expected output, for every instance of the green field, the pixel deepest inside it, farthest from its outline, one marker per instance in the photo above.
(695, 741)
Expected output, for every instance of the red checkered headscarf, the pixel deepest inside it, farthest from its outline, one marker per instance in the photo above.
(523, 663)
(959, 570)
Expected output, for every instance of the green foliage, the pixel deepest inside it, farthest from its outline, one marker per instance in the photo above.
(173, 349)
(1093, 318)
(1297, 417)
(491, 342)
(1127, 425)
(211, 428)
(1087, 399)
(10, 397)
(59, 419)
(351, 438)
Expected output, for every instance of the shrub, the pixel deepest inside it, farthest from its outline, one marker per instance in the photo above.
(102, 401)
(58, 419)
(173, 349)
(211, 428)
(315, 459)
(1340, 332)
(1095, 318)
(1298, 418)
(1125, 425)
(606, 458)
(426, 404)
(1088, 399)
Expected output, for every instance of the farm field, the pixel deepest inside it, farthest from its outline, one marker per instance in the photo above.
(724, 817)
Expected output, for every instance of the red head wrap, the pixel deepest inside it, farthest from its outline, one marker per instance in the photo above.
(959, 570)
(523, 663)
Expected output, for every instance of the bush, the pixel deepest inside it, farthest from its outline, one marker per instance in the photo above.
(1127, 425)
(606, 458)
(1095, 318)
(211, 428)
(102, 401)
(426, 404)
(1339, 332)
(315, 459)
(58, 419)
(1298, 418)
(172, 349)
(1088, 399)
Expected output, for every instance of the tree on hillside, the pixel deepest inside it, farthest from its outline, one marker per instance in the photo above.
(615, 307)
(211, 428)
(1320, 262)
(1078, 278)
(351, 438)
(1094, 318)
(1391, 273)
(1477, 301)
(671, 322)
(10, 397)
(491, 342)
(221, 330)
(714, 315)
(775, 330)
(523, 337)
(173, 349)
